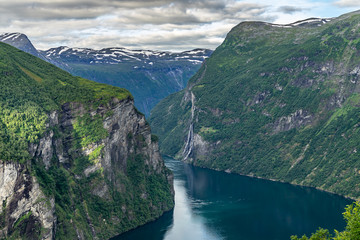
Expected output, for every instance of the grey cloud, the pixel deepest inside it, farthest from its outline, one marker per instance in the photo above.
(159, 24)
(41, 11)
(159, 38)
(347, 3)
(194, 14)
(156, 16)
(83, 9)
(290, 9)
(159, 41)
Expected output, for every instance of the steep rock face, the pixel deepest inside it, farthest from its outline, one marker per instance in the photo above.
(274, 101)
(78, 161)
(26, 211)
(295, 120)
(118, 148)
(128, 142)
(102, 173)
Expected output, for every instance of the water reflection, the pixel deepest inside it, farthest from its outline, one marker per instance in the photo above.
(188, 225)
(216, 205)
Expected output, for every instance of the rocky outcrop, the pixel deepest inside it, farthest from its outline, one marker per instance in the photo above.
(26, 211)
(297, 119)
(98, 170)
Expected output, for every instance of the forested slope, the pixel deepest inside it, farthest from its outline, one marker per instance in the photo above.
(274, 101)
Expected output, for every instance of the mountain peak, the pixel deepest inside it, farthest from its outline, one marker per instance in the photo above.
(20, 41)
(15, 37)
(11, 36)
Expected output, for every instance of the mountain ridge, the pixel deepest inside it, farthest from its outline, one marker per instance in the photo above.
(279, 103)
(149, 75)
(22, 42)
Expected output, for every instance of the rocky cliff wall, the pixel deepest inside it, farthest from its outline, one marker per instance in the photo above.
(95, 173)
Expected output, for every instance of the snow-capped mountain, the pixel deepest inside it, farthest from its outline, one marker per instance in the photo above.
(21, 42)
(149, 75)
(120, 55)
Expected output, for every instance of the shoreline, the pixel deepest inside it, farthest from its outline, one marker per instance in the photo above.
(267, 179)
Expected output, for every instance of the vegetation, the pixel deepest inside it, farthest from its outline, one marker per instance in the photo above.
(89, 129)
(28, 96)
(351, 232)
(30, 90)
(75, 199)
(275, 102)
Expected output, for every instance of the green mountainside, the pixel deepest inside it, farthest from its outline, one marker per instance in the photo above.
(30, 89)
(77, 160)
(273, 101)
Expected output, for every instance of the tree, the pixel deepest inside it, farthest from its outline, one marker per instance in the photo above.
(320, 234)
(351, 232)
(352, 218)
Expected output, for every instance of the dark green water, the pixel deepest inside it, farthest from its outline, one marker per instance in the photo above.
(216, 205)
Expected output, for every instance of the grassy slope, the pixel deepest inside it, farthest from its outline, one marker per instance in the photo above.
(294, 68)
(29, 90)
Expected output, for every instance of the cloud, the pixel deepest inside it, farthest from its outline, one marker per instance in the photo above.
(290, 9)
(153, 24)
(347, 3)
(159, 24)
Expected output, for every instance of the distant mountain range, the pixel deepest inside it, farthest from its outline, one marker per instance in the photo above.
(149, 75)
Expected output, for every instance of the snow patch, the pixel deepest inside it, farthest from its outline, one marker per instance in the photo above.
(11, 36)
(64, 50)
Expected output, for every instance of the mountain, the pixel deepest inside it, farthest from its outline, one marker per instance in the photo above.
(280, 102)
(78, 161)
(21, 42)
(149, 75)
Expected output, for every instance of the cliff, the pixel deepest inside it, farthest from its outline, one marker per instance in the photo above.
(78, 161)
(274, 101)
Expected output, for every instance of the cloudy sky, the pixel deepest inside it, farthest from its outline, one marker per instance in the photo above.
(160, 24)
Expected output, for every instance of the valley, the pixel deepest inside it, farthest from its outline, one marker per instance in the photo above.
(258, 139)
(216, 205)
(149, 75)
